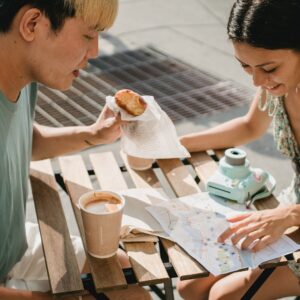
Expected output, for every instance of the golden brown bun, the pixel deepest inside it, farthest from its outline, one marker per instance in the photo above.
(130, 101)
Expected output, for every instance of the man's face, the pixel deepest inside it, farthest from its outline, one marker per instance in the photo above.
(56, 58)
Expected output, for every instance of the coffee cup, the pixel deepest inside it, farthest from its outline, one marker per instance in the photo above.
(101, 213)
(138, 163)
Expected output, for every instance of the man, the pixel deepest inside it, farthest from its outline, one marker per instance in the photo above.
(45, 41)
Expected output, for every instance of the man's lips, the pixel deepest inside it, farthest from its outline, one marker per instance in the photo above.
(76, 73)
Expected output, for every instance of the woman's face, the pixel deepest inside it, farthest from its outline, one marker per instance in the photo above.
(277, 71)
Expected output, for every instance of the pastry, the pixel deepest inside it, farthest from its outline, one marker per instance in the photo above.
(131, 102)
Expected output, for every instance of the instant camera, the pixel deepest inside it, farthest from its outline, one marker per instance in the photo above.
(236, 180)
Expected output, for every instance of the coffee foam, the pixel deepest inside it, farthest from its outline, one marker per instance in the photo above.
(103, 204)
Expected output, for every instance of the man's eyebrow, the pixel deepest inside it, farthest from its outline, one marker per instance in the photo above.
(96, 28)
(261, 65)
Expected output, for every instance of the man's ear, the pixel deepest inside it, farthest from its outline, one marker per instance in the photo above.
(29, 23)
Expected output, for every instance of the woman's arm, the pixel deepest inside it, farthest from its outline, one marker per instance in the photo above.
(232, 133)
(14, 294)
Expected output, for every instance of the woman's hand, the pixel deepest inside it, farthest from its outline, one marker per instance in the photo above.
(258, 229)
(106, 129)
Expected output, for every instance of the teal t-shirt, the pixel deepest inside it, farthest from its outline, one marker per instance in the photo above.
(16, 121)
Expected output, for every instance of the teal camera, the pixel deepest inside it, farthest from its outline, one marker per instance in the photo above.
(236, 180)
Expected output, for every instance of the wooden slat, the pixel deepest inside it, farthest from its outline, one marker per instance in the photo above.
(183, 184)
(107, 273)
(297, 255)
(176, 255)
(107, 171)
(146, 263)
(178, 176)
(294, 234)
(185, 266)
(277, 262)
(219, 153)
(62, 266)
(204, 165)
(145, 260)
(142, 179)
(266, 203)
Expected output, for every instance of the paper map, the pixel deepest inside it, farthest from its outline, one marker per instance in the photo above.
(196, 221)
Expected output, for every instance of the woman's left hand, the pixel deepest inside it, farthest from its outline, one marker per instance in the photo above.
(259, 228)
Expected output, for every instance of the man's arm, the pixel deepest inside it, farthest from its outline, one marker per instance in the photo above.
(49, 142)
(12, 294)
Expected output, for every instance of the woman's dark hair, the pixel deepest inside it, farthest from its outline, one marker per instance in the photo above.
(269, 24)
(56, 10)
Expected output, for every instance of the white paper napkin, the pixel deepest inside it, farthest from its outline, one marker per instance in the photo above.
(150, 135)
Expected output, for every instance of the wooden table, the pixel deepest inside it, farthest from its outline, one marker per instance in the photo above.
(148, 267)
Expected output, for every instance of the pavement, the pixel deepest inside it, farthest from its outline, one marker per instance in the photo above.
(193, 31)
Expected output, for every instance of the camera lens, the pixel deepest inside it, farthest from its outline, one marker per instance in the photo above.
(235, 156)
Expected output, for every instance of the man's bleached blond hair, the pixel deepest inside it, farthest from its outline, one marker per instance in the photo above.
(98, 14)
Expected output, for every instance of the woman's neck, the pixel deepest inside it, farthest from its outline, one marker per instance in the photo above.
(293, 99)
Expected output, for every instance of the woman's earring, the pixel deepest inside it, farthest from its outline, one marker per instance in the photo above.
(270, 103)
(262, 106)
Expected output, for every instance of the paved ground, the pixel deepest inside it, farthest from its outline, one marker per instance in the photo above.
(195, 32)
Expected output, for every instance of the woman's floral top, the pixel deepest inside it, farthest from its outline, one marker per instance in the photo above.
(286, 143)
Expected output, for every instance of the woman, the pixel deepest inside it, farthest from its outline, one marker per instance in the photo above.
(266, 40)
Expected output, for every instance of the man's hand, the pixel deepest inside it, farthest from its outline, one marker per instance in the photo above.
(50, 142)
(106, 129)
(258, 229)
